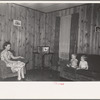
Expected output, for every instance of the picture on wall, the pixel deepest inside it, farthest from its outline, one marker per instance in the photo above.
(16, 22)
(97, 29)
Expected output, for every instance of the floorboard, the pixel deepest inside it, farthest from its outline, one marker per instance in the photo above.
(39, 75)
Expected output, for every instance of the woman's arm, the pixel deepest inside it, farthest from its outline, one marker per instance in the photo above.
(13, 57)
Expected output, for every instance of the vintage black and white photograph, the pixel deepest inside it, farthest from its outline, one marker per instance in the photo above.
(49, 42)
(49, 50)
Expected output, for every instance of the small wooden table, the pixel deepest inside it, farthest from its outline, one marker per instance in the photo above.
(43, 57)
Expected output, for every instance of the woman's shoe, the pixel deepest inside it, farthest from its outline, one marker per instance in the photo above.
(19, 79)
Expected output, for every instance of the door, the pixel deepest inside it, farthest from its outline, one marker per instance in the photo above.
(74, 33)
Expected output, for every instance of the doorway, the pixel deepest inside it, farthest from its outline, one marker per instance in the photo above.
(74, 33)
(64, 38)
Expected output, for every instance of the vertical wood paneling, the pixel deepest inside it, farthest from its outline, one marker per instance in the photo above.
(79, 49)
(87, 39)
(48, 36)
(30, 37)
(88, 25)
(37, 38)
(24, 39)
(9, 21)
(56, 41)
(52, 32)
(27, 36)
(17, 30)
(0, 29)
(42, 29)
(1, 34)
(98, 34)
(74, 33)
(82, 29)
(12, 27)
(89, 17)
(48, 27)
(91, 29)
(38, 29)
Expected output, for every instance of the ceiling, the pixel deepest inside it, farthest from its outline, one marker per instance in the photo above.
(48, 7)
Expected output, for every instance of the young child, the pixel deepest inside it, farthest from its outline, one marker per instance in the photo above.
(83, 64)
(73, 62)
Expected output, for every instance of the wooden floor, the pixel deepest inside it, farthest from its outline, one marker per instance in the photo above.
(40, 75)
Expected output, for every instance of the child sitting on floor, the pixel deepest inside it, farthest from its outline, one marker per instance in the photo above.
(73, 62)
(83, 63)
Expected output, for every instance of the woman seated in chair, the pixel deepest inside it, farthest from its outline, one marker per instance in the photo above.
(16, 66)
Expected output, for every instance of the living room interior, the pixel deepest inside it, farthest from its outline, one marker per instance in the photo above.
(46, 34)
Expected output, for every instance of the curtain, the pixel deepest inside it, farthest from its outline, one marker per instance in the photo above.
(64, 39)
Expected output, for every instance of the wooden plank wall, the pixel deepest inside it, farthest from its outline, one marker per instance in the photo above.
(38, 29)
(88, 19)
(26, 38)
(88, 39)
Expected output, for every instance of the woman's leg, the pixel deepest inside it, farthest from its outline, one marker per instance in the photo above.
(19, 75)
(21, 69)
(22, 72)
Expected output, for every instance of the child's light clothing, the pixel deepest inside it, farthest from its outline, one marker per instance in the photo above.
(83, 65)
(74, 63)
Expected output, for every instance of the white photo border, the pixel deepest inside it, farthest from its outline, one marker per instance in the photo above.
(50, 90)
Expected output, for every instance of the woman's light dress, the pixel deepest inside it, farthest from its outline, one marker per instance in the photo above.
(15, 65)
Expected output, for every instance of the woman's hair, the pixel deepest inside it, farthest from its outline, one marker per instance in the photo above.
(5, 44)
